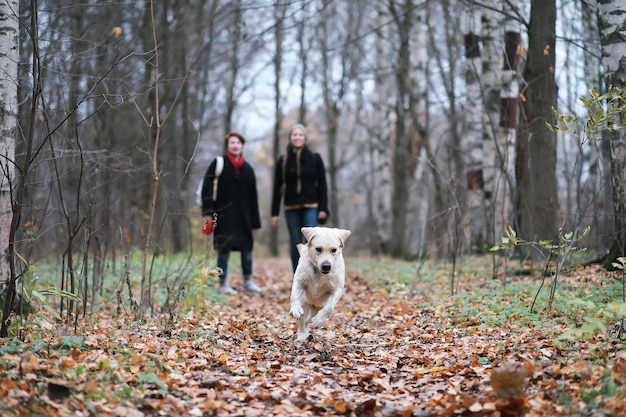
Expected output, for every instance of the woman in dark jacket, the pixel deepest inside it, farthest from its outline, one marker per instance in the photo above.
(236, 208)
(300, 181)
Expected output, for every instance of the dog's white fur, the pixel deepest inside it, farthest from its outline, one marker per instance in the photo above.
(319, 278)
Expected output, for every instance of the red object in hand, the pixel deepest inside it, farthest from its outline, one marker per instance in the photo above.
(207, 226)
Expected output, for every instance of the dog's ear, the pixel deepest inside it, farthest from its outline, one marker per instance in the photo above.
(302, 249)
(344, 234)
(308, 232)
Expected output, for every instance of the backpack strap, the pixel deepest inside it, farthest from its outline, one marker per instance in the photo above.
(219, 166)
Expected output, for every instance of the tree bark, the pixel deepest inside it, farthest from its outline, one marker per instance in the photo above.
(9, 57)
(595, 196)
(504, 184)
(400, 164)
(235, 35)
(612, 23)
(417, 135)
(279, 16)
(537, 198)
(490, 81)
(472, 144)
(379, 194)
(332, 104)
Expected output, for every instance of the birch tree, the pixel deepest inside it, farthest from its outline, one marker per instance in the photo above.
(8, 121)
(596, 195)
(379, 194)
(472, 146)
(9, 57)
(418, 128)
(612, 19)
(490, 81)
(505, 134)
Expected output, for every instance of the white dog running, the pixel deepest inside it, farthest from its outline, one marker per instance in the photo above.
(319, 278)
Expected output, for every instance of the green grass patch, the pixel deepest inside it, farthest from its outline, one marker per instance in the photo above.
(588, 303)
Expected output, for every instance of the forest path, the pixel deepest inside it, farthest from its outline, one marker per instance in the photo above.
(377, 355)
(380, 354)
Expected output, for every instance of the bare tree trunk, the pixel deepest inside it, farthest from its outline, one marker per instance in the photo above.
(418, 127)
(612, 19)
(537, 200)
(303, 53)
(475, 221)
(403, 18)
(340, 63)
(597, 154)
(155, 138)
(69, 170)
(332, 105)
(279, 15)
(491, 55)
(9, 57)
(234, 37)
(504, 184)
(178, 137)
(379, 194)
(569, 151)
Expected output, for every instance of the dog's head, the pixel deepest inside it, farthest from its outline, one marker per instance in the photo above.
(325, 246)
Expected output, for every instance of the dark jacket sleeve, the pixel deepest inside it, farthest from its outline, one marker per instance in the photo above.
(322, 188)
(254, 196)
(278, 184)
(208, 205)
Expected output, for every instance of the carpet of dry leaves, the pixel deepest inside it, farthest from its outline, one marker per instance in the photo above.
(379, 355)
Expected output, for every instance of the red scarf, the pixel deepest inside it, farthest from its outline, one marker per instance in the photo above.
(237, 163)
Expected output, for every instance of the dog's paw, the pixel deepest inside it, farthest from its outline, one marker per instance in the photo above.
(302, 337)
(296, 311)
(319, 319)
(316, 322)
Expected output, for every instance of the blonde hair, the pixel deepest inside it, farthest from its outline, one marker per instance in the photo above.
(294, 128)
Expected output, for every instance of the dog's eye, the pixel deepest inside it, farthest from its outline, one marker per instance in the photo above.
(333, 250)
(318, 250)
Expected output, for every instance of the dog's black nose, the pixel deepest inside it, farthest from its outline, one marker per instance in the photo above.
(325, 267)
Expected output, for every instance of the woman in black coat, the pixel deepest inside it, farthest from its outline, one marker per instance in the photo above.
(300, 182)
(236, 208)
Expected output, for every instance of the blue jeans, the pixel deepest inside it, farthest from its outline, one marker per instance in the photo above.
(297, 219)
(246, 264)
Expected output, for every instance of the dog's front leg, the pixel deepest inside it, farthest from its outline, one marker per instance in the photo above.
(303, 323)
(328, 308)
(297, 294)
